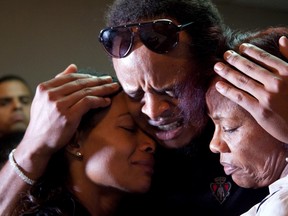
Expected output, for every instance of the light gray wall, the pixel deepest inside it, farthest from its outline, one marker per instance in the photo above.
(38, 39)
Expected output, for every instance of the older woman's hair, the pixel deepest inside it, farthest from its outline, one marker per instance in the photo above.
(266, 39)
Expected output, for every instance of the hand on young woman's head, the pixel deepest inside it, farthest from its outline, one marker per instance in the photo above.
(56, 111)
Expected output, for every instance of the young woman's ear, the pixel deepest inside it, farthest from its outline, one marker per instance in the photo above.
(73, 147)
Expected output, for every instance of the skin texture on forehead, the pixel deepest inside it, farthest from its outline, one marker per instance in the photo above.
(216, 101)
(12, 88)
(154, 69)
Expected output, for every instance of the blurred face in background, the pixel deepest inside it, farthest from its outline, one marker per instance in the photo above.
(15, 103)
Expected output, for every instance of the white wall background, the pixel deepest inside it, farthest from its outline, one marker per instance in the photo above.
(38, 39)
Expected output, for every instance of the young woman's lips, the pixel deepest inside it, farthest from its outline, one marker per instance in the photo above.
(146, 165)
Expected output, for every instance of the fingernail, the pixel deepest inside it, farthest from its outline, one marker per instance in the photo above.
(243, 47)
(219, 66)
(115, 85)
(219, 86)
(228, 54)
(106, 77)
(282, 40)
(108, 100)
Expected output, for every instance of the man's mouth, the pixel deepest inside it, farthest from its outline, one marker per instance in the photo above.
(171, 126)
(169, 131)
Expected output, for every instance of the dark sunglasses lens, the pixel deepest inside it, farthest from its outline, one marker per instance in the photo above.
(117, 41)
(159, 37)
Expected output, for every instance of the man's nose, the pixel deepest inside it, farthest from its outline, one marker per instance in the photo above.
(16, 103)
(155, 106)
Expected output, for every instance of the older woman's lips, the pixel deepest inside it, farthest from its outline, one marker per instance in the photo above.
(228, 168)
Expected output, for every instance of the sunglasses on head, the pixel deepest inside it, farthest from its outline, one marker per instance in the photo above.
(159, 36)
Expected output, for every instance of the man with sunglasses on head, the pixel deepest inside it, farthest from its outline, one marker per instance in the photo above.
(163, 52)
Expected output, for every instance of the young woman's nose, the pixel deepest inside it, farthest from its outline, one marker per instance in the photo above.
(16, 103)
(148, 145)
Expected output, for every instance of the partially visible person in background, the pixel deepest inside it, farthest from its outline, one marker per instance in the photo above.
(15, 104)
(251, 155)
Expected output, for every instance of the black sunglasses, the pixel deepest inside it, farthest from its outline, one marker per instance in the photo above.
(159, 36)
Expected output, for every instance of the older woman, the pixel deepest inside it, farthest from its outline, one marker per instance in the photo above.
(252, 156)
